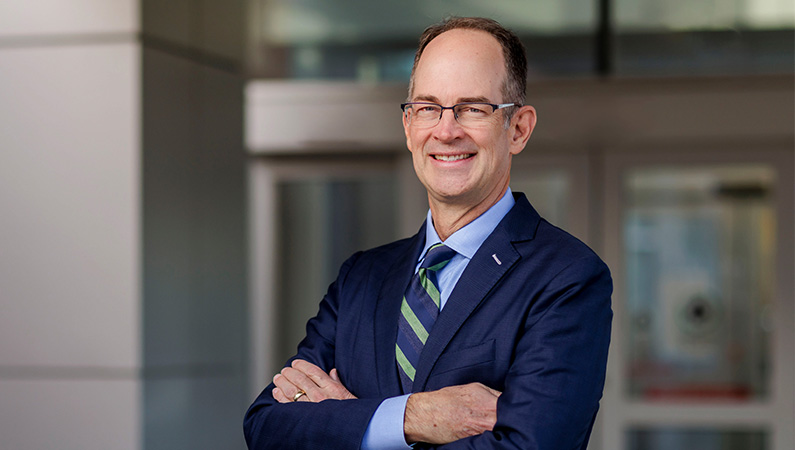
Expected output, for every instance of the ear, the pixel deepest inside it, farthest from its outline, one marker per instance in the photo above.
(406, 131)
(522, 124)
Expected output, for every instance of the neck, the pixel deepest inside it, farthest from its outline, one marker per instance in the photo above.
(449, 217)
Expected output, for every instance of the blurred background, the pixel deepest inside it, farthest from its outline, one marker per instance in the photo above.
(180, 181)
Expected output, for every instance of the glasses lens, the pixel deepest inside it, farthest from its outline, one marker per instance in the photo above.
(424, 114)
(474, 114)
(471, 115)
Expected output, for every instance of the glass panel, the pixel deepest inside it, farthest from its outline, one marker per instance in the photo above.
(375, 41)
(321, 224)
(688, 439)
(719, 37)
(713, 14)
(699, 249)
(548, 192)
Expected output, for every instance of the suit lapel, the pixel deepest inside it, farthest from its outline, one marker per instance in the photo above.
(386, 314)
(480, 276)
(491, 262)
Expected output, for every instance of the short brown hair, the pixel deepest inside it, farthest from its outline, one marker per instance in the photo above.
(513, 88)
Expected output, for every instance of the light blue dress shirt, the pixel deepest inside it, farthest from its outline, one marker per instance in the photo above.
(385, 431)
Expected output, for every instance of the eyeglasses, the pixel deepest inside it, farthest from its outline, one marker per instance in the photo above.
(467, 114)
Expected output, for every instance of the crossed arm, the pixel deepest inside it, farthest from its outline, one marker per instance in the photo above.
(436, 417)
(275, 421)
(549, 402)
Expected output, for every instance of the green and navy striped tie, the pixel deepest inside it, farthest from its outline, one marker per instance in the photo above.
(418, 312)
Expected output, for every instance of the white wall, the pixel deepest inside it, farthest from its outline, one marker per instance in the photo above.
(70, 337)
(122, 225)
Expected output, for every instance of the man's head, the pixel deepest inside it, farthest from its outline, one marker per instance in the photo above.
(512, 49)
(461, 162)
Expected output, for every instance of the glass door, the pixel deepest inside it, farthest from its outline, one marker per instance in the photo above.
(701, 355)
(558, 188)
(308, 216)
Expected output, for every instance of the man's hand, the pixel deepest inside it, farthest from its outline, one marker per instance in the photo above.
(436, 417)
(450, 414)
(307, 377)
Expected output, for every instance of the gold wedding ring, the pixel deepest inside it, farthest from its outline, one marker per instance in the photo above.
(298, 395)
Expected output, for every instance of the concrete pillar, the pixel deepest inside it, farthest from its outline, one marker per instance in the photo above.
(122, 225)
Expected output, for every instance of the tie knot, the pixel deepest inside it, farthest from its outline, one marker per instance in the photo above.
(437, 257)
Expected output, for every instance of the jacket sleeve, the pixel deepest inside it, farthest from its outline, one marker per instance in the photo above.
(555, 382)
(330, 424)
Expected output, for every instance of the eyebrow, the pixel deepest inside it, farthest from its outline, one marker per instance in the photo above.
(473, 100)
(426, 98)
(434, 99)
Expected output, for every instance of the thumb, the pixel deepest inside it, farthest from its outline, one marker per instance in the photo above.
(493, 392)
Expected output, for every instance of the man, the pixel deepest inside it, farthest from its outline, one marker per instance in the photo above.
(487, 329)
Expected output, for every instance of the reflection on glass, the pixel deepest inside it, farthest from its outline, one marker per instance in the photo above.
(715, 14)
(719, 37)
(688, 439)
(699, 249)
(547, 191)
(375, 41)
(322, 223)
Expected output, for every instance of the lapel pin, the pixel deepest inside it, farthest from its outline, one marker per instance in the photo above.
(496, 259)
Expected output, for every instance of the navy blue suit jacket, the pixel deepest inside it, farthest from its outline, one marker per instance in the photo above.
(530, 317)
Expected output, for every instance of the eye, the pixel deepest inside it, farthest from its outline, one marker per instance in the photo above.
(473, 110)
(426, 108)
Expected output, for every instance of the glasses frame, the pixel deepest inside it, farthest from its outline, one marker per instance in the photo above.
(494, 107)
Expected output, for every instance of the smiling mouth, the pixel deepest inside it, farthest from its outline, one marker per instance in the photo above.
(450, 158)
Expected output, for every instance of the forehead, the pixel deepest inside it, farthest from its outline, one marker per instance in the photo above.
(460, 64)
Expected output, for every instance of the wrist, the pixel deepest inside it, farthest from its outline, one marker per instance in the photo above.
(415, 417)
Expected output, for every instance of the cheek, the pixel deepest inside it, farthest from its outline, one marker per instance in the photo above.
(416, 141)
(416, 161)
(414, 145)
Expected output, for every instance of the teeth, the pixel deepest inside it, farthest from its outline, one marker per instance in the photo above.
(451, 158)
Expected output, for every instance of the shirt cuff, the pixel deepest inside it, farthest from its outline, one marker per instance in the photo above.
(385, 431)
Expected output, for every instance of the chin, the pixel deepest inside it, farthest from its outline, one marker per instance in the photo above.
(453, 195)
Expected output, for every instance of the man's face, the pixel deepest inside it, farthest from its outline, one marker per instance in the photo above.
(461, 165)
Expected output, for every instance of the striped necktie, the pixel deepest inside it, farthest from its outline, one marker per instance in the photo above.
(418, 312)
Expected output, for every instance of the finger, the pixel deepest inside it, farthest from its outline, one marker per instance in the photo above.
(284, 383)
(494, 392)
(334, 375)
(491, 391)
(286, 387)
(313, 372)
(304, 383)
(279, 396)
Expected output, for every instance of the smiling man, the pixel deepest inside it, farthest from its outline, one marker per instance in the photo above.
(464, 166)
(487, 329)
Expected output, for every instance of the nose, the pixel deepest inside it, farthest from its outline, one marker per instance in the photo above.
(448, 127)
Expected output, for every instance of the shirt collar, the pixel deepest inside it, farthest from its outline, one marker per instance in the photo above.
(468, 239)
